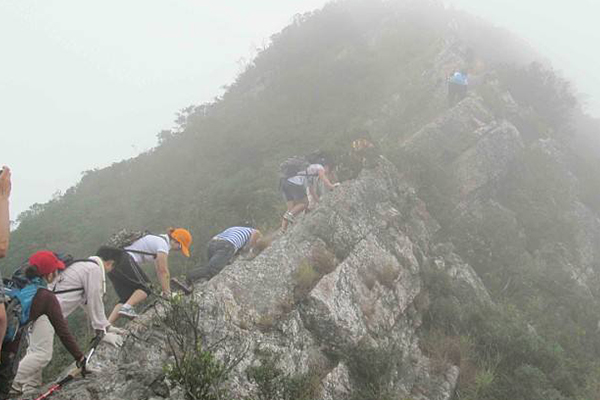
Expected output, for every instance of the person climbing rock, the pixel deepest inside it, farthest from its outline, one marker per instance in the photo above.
(41, 271)
(5, 188)
(295, 187)
(221, 250)
(81, 284)
(129, 280)
(457, 87)
(364, 152)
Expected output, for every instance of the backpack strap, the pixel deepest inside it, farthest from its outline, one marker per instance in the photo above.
(154, 255)
(140, 252)
(75, 289)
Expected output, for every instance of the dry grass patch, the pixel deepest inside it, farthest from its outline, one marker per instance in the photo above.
(305, 278)
(323, 260)
(387, 275)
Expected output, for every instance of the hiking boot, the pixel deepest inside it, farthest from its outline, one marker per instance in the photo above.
(128, 311)
(186, 288)
(289, 217)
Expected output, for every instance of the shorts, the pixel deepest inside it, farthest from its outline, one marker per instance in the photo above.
(127, 277)
(293, 192)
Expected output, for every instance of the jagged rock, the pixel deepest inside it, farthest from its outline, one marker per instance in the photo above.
(380, 233)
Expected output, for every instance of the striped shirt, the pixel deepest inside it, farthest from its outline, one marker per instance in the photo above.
(236, 235)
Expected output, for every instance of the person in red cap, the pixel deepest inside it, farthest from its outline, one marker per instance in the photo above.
(129, 280)
(42, 269)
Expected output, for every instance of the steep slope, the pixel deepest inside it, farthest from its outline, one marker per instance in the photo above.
(368, 296)
(365, 300)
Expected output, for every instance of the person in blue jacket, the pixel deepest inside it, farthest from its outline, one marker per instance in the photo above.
(458, 84)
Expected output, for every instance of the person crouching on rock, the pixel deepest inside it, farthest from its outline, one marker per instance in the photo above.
(42, 270)
(221, 250)
(129, 280)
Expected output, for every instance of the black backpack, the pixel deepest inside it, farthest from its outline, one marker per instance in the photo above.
(126, 237)
(293, 166)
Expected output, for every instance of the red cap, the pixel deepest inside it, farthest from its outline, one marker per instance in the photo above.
(46, 262)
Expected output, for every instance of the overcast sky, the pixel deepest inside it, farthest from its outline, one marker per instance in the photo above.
(87, 83)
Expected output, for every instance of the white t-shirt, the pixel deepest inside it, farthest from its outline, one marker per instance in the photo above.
(311, 175)
(149, 244)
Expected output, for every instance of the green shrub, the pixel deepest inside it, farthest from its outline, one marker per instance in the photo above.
(305, 278)
(371, 369)
(194, 365)
(274, 384)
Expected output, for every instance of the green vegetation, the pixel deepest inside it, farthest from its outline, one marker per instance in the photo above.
(194, 365)
(376, 65)
(274, 384)
(372, 371)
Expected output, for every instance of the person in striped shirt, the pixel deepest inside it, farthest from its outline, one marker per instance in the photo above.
(221, 250)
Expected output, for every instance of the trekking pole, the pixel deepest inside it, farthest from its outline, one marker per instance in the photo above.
(73, 374)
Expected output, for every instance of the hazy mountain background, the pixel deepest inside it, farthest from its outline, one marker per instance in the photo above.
(381, 66)
(93, 84)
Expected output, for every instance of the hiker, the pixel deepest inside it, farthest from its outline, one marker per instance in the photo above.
(129, 280)
(221, 250)
(5, 187)
(81, 283)
(41, 271)
(294, 188)
(457, 87)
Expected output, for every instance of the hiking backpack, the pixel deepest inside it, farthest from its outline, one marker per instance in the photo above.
(125, 238)
(293, 166)
(19, 296)
(19, 280)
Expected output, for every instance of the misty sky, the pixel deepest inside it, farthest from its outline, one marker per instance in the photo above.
(84, 84)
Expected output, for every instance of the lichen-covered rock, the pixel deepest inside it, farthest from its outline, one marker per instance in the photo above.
(378, 235)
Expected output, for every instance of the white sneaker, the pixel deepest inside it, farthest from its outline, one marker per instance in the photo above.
(128, 311)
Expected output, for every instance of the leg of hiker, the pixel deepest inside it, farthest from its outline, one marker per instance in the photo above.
(220, 253)
(452, 92)
(7, 360)
(299, 207)
(296, 201)
(126, 308)
(132, 286)
(284, 221)
(39, 355)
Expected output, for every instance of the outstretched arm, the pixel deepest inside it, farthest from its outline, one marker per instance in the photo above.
(5, 187)
(162, 272)
(251, 246)
(325, 179)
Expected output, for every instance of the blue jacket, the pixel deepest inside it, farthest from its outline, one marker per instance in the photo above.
(459, 79)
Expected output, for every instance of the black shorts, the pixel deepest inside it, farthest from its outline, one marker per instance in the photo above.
(293, 192)
(127, 277)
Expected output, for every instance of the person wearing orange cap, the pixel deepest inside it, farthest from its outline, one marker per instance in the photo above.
(130, 281)
(42, 269)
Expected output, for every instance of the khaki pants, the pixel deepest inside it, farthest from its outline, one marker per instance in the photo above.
(39, 354)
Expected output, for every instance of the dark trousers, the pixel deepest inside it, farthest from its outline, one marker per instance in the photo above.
(220, 253)
(8, 371)
(456, 93)
(127, 277)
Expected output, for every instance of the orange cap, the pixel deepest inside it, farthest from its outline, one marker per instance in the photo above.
(184, 237)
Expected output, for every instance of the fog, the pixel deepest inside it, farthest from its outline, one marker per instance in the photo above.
(84, 84)
(566, 32)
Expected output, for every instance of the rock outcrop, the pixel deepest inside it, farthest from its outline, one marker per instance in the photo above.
(368, 241)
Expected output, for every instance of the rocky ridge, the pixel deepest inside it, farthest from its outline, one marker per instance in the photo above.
(378, 234)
